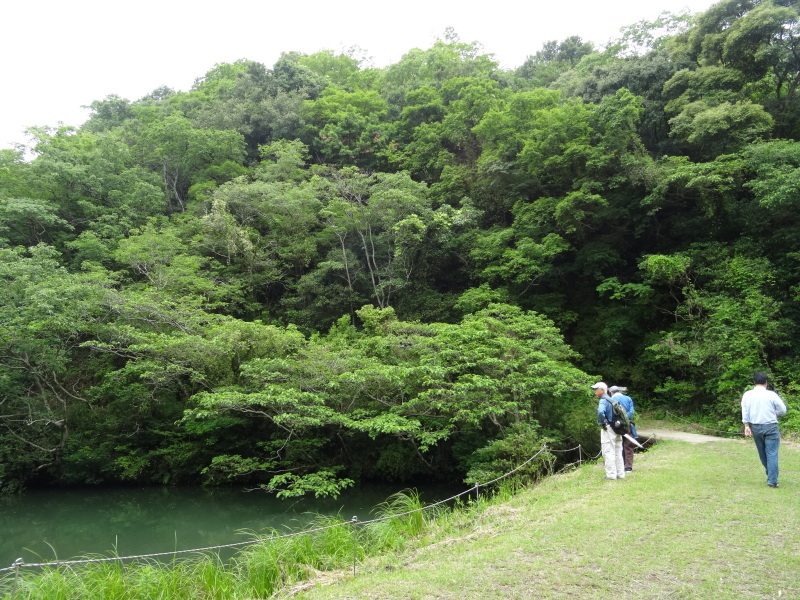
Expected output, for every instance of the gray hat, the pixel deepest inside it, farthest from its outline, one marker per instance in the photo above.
(613, 389)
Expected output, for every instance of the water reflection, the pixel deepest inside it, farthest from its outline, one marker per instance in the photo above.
(64, 524)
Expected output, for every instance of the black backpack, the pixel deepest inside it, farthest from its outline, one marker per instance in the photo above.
(620, 422)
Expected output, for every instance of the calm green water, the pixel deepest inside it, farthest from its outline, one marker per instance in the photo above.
(65, 524)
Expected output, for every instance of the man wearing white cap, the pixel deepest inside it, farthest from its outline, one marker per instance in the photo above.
(610, 442)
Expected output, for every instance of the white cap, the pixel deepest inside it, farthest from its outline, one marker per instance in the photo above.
(599, 384)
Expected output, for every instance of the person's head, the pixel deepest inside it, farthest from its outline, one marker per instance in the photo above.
(600, 389)
(613, 390)
(760, 378)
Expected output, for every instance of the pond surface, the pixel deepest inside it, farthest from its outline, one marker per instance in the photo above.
(46, 525)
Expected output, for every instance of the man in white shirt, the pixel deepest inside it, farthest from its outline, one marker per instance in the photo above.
(760, 411)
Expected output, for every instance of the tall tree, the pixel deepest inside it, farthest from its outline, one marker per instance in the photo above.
(46, 315)
(185, 156)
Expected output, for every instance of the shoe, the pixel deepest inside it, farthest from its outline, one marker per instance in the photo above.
(628, 470)
(772, 485)
(611, 478)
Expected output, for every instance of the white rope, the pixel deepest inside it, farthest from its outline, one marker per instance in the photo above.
(440, 502)
(18, 563)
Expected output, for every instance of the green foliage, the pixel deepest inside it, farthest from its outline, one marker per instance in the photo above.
(184, 155)
(95, 184)
(412, 389)
(726, 323)
(721, 129)
(777, 174)
(347, 70)
(552, 60)
(322, 483)
(320, 272)
(13, 172)
(46, 314)
(446, 59)
(515, 453)
(28, 221)
(345, 127)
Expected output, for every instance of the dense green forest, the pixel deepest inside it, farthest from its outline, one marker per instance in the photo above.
(318, 273)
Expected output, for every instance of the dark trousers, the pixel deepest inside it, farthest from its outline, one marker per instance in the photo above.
(768, 439)
(627, 453)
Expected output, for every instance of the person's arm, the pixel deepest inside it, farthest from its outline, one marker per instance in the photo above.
(746, 416)
(601, 413)
(780, 406)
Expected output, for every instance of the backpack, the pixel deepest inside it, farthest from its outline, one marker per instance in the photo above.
(620, 423)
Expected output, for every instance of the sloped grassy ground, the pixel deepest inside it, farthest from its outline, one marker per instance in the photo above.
(692, 521)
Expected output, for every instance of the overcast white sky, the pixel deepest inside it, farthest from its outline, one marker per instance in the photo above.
(62, 54)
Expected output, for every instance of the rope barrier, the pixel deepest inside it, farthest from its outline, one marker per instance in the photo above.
(580, 450)
(354, 522)
(61, 563)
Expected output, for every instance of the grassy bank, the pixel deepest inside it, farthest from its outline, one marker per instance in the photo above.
(700, 521)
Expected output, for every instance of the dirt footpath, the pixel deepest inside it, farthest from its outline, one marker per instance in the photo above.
(680, 436)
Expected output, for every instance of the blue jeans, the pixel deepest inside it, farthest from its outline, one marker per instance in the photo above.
(768, 439)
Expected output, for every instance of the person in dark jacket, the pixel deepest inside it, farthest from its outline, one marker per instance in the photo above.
(627, 445)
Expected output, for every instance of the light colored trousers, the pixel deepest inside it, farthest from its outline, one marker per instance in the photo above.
(611, 445)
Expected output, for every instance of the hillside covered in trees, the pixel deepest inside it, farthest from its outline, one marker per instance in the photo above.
(319, 272)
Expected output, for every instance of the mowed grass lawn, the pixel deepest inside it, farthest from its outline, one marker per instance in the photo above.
(691, 521)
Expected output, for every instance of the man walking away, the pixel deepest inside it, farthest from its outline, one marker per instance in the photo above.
(610, 442)
(760, 411)
(627, 445)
